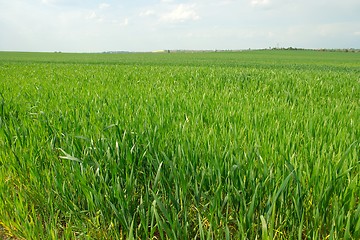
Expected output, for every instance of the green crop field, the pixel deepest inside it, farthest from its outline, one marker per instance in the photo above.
(216, 145)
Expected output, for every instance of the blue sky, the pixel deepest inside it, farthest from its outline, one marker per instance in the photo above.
(139, 25)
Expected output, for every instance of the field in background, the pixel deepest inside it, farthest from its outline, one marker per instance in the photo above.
(232, 145)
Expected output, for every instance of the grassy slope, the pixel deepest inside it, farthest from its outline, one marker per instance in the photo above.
(250, 144)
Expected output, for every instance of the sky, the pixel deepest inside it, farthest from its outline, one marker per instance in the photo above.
(139, 25)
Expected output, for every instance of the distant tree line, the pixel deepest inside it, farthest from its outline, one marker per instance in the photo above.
(320, 49)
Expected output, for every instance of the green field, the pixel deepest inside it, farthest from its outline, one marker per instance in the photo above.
(227, 145)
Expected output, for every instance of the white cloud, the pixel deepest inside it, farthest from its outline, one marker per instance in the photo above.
(260, 2)
(182, 13)
(93, 16)
(125, 22)
(147, 13)
(104, 5)
(48, 1)
(225, 2)
(96, 25)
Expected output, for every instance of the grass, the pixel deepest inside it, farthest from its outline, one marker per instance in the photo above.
(259, 144)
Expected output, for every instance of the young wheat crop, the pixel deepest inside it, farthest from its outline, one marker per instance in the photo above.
(247, 145)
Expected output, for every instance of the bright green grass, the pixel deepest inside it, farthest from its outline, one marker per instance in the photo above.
(259, 144)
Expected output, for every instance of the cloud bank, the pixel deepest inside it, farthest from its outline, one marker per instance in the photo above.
(91, 26)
